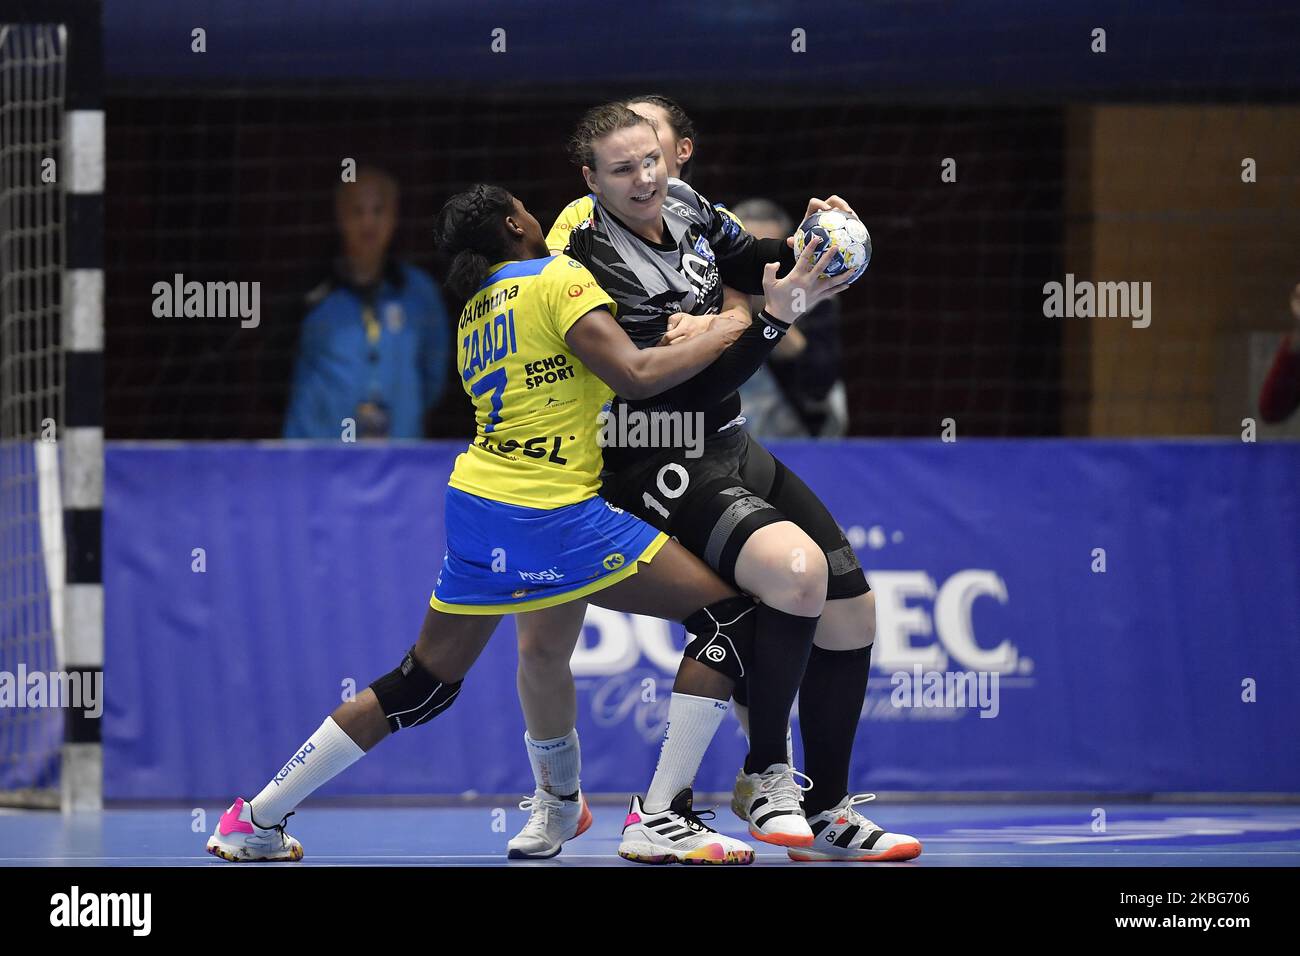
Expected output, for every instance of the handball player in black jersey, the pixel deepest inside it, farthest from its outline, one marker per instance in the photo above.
(664, 254)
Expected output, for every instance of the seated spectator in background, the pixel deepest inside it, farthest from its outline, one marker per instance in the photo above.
(798, 392)
(373, 346)
(1280, 396)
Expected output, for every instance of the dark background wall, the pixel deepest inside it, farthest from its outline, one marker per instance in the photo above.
(221, 166)
(239, 187)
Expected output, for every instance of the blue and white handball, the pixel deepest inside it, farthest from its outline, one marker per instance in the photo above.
(846, 233)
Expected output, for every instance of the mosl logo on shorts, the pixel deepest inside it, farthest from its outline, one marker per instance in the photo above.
(550, 574)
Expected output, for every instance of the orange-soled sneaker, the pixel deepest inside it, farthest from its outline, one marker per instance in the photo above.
(844, 835)
(770, 803)
(551, 822)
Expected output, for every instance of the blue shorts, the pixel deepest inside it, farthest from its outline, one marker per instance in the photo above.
(505, 558)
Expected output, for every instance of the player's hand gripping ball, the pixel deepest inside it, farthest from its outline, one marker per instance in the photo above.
(846, 233)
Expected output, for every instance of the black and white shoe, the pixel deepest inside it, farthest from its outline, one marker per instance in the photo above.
(678, 835)
(770, 802)
(845, 835)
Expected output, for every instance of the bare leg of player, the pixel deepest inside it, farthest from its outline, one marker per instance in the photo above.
(674, 585)
(425, 684)
(557, 809)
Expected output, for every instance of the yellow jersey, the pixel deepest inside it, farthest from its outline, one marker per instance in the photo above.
(535, 403)
(570, 217)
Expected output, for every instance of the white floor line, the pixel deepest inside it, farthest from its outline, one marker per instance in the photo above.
(606, 856)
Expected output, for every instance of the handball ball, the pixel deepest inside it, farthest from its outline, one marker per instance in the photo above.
(838, 229)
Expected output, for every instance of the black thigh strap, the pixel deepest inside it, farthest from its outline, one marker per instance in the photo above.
(718, 519)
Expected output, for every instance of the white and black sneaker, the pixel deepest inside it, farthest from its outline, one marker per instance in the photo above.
(745, 783)
(678, 835)
(771, 803)
(845, 835)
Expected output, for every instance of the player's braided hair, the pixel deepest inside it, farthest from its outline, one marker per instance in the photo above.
(597, 122)
(470, 234)
(682, 126)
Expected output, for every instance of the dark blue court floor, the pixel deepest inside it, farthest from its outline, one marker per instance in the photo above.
(960, 834)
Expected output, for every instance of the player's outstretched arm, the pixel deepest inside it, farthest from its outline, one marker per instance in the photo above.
(602, 345)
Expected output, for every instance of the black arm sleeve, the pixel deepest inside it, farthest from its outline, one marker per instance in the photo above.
(732, 369)
(744, 270)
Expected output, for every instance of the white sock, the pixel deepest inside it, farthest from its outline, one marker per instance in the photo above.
(556, 763)
(692, 722)
(325, 755)
(742, 717)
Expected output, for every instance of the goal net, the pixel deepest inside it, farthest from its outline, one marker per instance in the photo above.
(32, 84)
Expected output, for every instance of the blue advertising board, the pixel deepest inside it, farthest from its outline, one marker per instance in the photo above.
(1052, 615)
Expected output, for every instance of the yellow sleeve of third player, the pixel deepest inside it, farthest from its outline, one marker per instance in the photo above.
(729, 214)
(570, 292)
(568, 219)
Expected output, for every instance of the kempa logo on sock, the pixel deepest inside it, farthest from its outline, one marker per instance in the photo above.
(75, 909)
(298, 760)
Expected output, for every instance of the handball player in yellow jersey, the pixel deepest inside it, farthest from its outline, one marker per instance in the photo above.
(539, 352)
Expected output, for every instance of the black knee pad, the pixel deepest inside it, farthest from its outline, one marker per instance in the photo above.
(410, 695)
(723, 635)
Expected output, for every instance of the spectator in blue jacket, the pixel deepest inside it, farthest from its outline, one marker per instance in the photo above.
(373, 346)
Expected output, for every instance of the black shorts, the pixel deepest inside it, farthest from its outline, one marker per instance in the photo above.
(712, 504)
